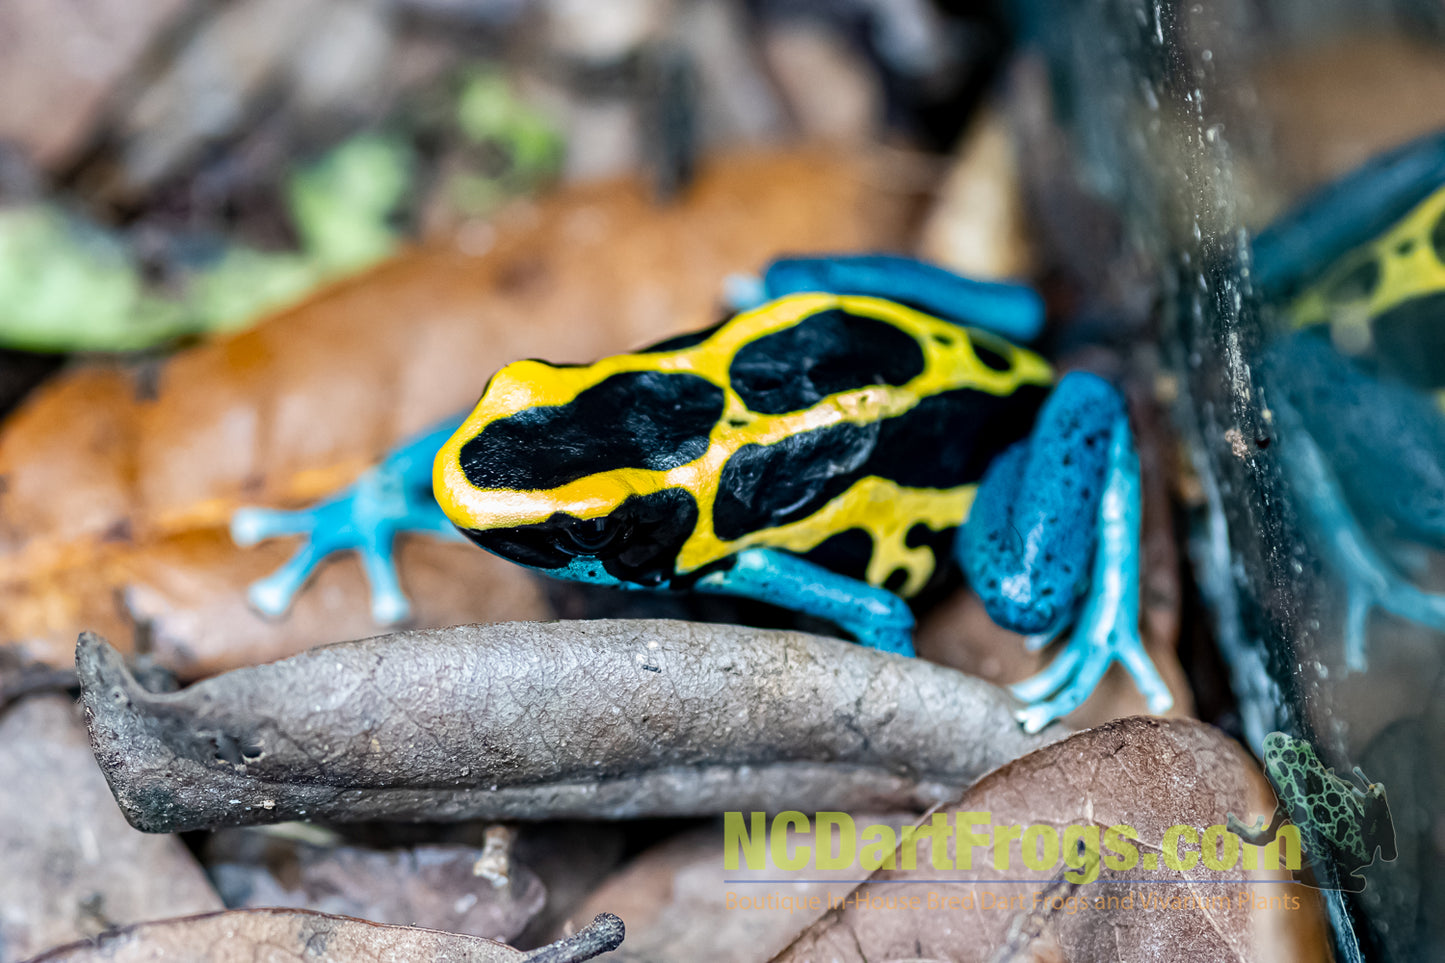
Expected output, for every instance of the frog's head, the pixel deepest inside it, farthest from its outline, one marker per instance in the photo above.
(1376, 826)
(574, 469)
(1385, 298)
(1292, 766)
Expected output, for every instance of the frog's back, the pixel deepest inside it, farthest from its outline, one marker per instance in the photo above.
(848, 430)
(854, 433)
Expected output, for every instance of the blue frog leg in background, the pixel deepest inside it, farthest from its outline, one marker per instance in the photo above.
(1014, 311)
(392, 498)
(1052, 540)
(876, 617)
(1349, 441)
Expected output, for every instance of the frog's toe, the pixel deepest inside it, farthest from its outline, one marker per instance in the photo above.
(389, 604)
(1061, 687)
(1251, 833)
(273, 595)
(1068, 681)
(1054, 677)
(251, 526)
(1370, 584)
(743, 292)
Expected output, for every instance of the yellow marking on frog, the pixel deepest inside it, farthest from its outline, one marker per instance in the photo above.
(878, 506)
(1409, 267)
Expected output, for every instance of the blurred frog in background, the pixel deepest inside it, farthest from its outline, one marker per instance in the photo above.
(1355, 275)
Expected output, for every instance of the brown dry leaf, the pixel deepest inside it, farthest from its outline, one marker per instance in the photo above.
(117, 484)
(429, 886)
(1145, 773)
(979, 226)
(284, 936)
(1306, 93)
(69, 865)
(526, 720)
(676, 900)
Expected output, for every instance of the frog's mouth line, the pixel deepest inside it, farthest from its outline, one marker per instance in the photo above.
(1410, 341)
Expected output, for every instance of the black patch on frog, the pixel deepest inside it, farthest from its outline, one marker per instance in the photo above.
(1409, 341)
(846, 553)
(637, 419)
(949, 439)
(637, 542)
(940, 543)
(764, 486)
(678, 342)
(822, 355)
(1357, 284)
(896, 580)
(944, 441)
(989, 357)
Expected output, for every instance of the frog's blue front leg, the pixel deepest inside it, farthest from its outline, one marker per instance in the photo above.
(1014, 311)
(877, 618)
(391, 498)
(1056, 521)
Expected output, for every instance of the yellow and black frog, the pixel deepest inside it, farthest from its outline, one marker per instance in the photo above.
(858, 424)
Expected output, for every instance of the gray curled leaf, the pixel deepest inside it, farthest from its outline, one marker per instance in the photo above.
(543, 720)
(287, 935)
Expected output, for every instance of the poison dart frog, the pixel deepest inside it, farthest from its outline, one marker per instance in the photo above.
(1356, 278)
(1334, 816)
(861, 423)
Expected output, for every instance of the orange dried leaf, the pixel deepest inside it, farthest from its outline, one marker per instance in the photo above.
(117, 483)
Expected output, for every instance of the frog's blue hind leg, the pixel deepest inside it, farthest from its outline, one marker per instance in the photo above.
(1014, 311)
(1369, 581)
(876, 617)
(392, 498)
(1386, 456)
(1056, 521)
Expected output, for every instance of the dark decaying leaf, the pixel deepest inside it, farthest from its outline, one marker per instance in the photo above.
(431, 886)
(1148, 774)
(294, 936)
(606, 719)
(69, 865)
(681, 902)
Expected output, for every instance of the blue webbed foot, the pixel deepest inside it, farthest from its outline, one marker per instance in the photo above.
(1107, 629)
(876, 617)
(366, 516)
(1052, 540)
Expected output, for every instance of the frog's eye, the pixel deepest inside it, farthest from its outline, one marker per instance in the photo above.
(589, 536)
